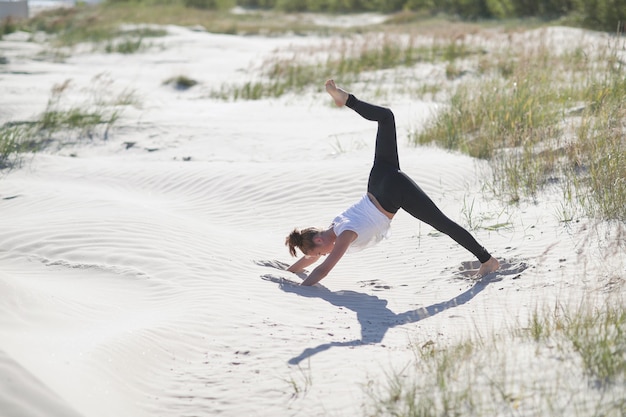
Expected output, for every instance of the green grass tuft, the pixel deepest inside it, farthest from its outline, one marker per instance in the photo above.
(181, 82)
(64, 124)
(521, 120)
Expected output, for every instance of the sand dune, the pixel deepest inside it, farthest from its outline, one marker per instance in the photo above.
(149, 280)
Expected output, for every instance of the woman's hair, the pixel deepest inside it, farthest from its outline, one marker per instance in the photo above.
(301, 239)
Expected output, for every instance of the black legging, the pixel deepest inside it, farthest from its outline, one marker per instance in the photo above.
(394, 189)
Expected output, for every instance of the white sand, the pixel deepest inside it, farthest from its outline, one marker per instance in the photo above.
(131, 280)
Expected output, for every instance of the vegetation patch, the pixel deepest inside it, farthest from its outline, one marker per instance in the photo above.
(546, 118)
(565, 362)
(350, 59)
(181, 82)
(63, 123)
(14, 140)
(86, 24)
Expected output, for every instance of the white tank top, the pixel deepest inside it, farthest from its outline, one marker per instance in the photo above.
(363, 218)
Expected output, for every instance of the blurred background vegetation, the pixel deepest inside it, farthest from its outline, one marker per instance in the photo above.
(605, 15)
(99, 22)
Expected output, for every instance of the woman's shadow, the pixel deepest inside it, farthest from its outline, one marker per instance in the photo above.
(371, 311)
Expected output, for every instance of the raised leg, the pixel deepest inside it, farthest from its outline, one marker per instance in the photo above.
(386, 140)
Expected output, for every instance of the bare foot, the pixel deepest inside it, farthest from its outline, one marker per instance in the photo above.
(488, 267)
(339, 95)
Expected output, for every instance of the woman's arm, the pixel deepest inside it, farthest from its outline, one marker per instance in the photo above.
(302, 263)
(343, 242)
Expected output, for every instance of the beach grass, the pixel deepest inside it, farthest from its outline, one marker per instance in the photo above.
(62, 122)
(350, 59)
(300, 382)
(484, 376)
(89, 119)
(15, 140)
(546, 118)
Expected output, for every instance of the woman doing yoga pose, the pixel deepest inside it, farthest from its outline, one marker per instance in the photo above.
(388, 190)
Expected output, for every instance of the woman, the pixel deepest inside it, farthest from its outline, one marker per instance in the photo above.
(388, 190)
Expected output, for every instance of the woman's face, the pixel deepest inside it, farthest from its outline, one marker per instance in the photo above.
(322, 247)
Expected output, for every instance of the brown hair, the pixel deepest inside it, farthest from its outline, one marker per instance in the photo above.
(301, 239)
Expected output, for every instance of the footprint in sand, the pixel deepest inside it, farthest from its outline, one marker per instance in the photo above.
(508, 267)
(376, 284)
